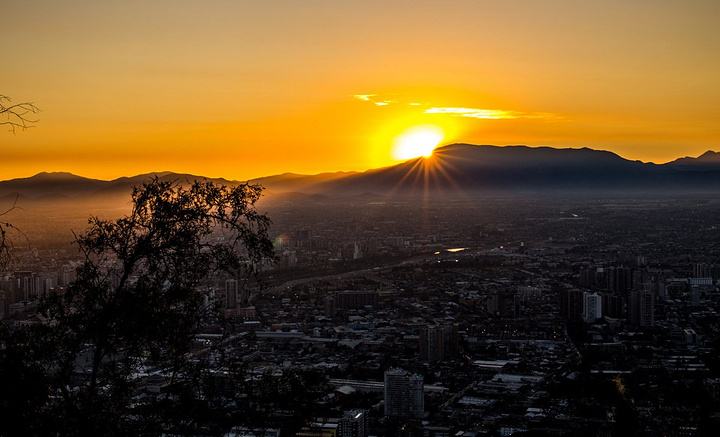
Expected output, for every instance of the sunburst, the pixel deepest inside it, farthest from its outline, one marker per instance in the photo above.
(417, 141)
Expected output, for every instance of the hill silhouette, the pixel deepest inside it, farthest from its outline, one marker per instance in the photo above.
(464, 168)
(453, 169)
(708, 161)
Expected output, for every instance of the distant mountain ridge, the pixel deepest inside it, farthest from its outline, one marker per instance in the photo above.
(464, 168)
(708, 161)
(455, 168)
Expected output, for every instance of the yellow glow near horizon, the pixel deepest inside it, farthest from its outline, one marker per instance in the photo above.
(311, 87)
(417, 141)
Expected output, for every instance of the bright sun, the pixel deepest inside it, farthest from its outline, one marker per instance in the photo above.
(417, 141)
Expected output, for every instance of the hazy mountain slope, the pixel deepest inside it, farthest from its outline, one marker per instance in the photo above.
(123, 186)
(463, 167)
(708, 161)
(298, 182)
(456, 168)
(43, 184)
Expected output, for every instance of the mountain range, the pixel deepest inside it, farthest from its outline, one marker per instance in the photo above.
(453, 169)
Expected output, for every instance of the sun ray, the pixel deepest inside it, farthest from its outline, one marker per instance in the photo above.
(440, 167)
(430, 176)
(416, 164)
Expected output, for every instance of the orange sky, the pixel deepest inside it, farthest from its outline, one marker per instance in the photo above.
(242, 89)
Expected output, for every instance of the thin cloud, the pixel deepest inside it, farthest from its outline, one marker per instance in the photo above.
(365, 97)
(489, 114)
(371, 98)
(483, 114)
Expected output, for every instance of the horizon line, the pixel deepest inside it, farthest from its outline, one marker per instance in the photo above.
(350, 171)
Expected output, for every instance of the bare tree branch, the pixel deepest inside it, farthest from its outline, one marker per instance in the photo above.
(5, 243)
(18, 115)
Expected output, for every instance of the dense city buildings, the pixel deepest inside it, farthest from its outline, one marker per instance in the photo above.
(515, 315)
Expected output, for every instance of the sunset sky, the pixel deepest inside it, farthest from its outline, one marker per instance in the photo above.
(242, 89)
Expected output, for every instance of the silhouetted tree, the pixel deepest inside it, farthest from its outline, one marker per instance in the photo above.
(24, 391)
(16, 116)
(5, 242)
(281, 398)
(140, 298)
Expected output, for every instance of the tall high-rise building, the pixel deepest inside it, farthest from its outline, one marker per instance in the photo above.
(571, 304)
(613, 305)
(695, 295)
(67, 274)
(439, 342)
(641, 308)
(503, 303)
(4, 304)
(702, 270)
(620, 279)
(404, 395)
(592, 307)
(231, 293)
(357, 251)
(330, 306)
(354, 423)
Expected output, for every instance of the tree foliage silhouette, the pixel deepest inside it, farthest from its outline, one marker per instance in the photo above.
(5, 241)
(141, 296)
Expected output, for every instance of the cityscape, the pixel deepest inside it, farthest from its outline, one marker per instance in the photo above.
(491, 316)
(363, 218)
